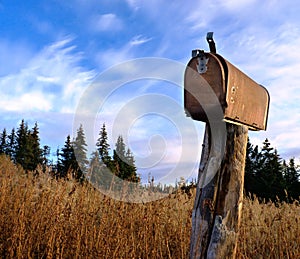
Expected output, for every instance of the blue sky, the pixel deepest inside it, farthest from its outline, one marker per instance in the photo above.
(51, 52)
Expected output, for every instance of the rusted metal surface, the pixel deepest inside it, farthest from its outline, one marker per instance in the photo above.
(243, 101)
(248, 102)
(195, 87)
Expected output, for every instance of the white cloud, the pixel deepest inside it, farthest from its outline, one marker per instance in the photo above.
(106, 22)
(260, 38)
(199, 16)
(29, 101)
(235, 5)
(113, 56)
(134, 4)
(109, 57)
(271, 57)
(139, 39)
(155, 128)
(51, 80)
(47, 79)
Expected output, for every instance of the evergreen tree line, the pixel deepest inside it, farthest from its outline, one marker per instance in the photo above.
(270, 177)
(23, 147)
(267, 175)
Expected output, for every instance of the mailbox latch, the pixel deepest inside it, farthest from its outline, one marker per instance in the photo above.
(202, 60)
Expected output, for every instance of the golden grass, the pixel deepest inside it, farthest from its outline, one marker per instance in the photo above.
(44, 218)
(269, 230)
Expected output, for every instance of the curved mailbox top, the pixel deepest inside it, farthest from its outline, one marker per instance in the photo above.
(243, 101)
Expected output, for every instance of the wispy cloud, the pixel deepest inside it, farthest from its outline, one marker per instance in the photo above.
(134, 4)
(154, 126)
(106, 22)
(27, 101)
(274, 62)
(236, 5)
(113, 56)
(261, 38)
(139, 39)
(52, 80)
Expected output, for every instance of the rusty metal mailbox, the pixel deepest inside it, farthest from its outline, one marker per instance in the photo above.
(242, 100)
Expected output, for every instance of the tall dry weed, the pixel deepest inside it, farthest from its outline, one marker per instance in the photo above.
(41, 217)
(45, 218)
(270, 230)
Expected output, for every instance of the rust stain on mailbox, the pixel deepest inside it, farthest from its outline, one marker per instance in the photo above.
(243, 101)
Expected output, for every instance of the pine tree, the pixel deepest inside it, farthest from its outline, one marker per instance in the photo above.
(291, 177)
(3, 142)
(249, 168)
(131, 168)
(67, 160)
(120, 147)
(119, 159)
(103, 146)
(23, 149)
(80, 149)
(252, 169)
(99, 175)
(94, 166)
(45, 154)
(264, 172)
(27, 148)
(124, 162)
(271, 173)
(11, 145)
(34, 145)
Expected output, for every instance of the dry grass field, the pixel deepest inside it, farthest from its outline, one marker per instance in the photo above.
(44, 218)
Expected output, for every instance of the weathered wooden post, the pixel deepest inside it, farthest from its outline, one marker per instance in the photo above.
(230, 103)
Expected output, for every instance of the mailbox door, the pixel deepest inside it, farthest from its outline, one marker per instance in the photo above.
(247, 101)
(198, 86)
